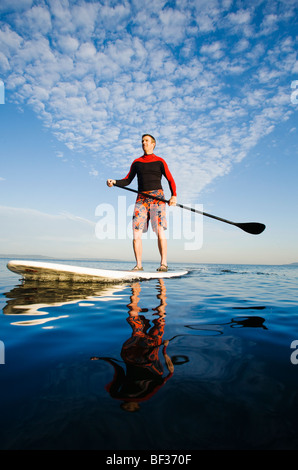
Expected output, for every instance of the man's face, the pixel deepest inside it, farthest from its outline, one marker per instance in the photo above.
(148, 145)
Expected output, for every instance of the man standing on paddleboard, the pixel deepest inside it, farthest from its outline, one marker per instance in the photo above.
(149, 170)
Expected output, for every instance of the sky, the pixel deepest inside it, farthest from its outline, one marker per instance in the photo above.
(216, 83)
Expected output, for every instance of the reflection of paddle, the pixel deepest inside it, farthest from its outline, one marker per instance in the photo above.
(250, 227)
(241, 322)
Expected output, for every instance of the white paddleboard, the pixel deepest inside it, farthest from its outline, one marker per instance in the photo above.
(39, 271)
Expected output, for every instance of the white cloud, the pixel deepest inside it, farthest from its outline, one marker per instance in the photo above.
(4, 63)
(36, 20)
(240, 17)
(215, 49)
(67, 44)
(86, 52)
(10, 41)
(241, 46)
(269, 24)
(174, 24)
(112, 16)
(84, 16)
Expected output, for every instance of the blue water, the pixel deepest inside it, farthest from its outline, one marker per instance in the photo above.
(227, 378)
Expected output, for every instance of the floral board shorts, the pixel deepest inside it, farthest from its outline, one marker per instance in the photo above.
(142, 348)
(147, 209)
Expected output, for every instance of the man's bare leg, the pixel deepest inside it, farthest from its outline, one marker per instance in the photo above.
(137, 247)
(162, 246)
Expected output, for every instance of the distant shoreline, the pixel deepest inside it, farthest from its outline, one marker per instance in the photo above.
(42, 257)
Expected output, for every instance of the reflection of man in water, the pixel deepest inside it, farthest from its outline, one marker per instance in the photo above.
(140, 353)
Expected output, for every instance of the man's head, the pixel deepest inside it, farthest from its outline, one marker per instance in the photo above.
(148, 143)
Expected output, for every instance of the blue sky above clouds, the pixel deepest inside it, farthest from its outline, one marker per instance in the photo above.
(211, 80)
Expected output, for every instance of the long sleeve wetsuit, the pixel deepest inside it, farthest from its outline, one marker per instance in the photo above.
(149, 170)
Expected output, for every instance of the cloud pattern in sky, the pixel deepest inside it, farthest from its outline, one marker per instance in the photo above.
(208, 78)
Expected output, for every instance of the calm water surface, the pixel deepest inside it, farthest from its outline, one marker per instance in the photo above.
(201, 362)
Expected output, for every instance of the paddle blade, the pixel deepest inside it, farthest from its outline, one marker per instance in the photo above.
(252, 227)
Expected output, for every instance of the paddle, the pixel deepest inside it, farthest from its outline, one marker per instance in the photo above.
(253, 228)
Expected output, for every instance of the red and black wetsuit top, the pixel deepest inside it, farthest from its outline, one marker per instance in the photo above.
(149, 170)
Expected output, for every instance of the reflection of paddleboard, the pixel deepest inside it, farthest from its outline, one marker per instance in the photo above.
(35, 297)
(35, 270)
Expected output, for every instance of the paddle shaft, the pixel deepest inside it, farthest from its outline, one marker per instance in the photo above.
(178, 205)
(250, 227)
